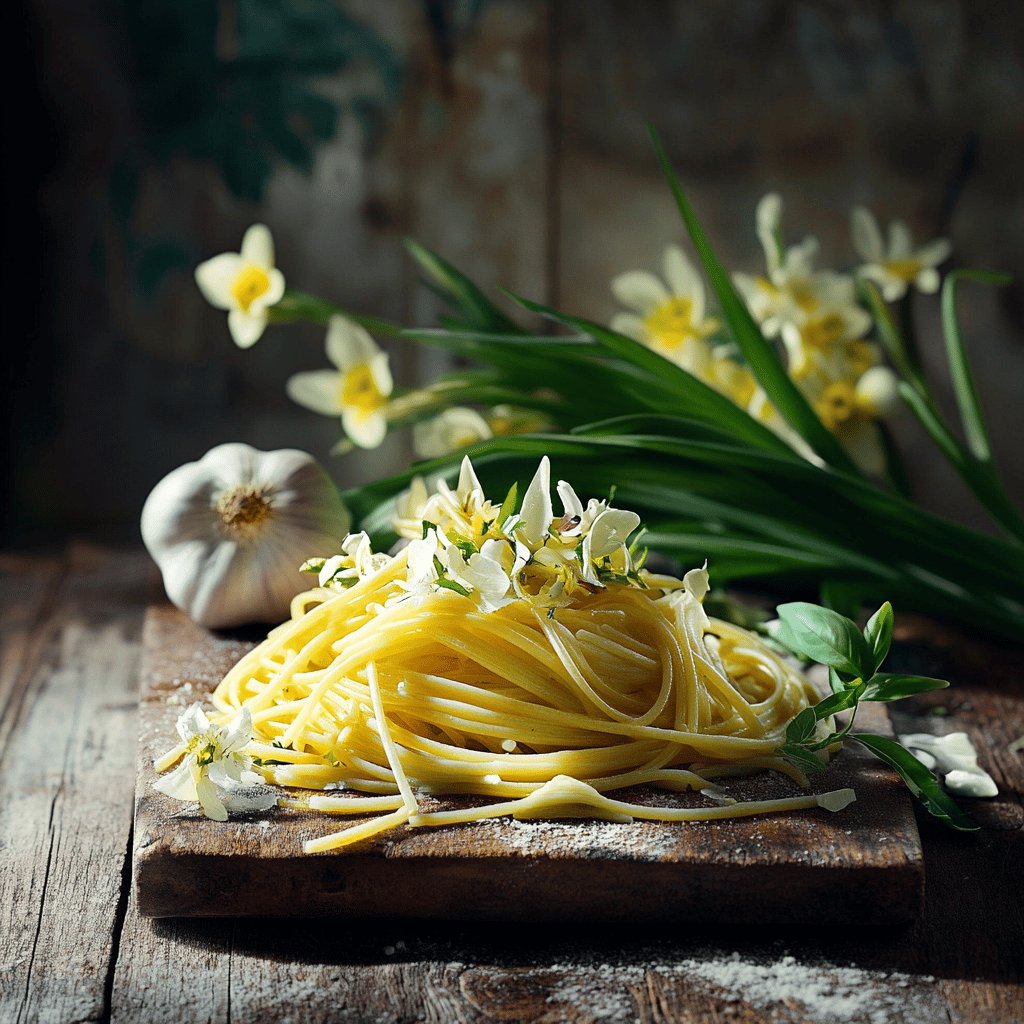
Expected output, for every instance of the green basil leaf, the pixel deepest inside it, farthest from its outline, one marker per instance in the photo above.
(841, 701)
(878, 634)
(836, 681)
(918, 778)
(886, 686)
(802, 758)
(824, 636)
(801, 729)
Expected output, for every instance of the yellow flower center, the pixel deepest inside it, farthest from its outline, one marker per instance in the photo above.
(250, 284)
(905, 270)
(861, 356)
(671, 323)
(837, 404)
(359, 390)
(823, 332)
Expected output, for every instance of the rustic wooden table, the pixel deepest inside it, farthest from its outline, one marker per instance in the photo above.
(73, 947)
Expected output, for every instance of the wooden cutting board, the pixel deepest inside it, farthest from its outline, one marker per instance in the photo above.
(864, 863)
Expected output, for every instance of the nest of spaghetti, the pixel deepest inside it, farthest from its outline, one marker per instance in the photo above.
(523, 657)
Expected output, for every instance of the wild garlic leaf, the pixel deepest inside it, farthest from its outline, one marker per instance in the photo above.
(824, 636)
(918, 778)
(878, 634)
(886, 686)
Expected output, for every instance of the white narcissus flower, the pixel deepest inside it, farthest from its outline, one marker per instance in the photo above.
(669, 319)
(357, 391)
(455, 428)
(244, 283)
(214, 770)
(897, 266)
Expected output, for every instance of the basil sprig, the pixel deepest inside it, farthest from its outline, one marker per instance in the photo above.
(854, 658)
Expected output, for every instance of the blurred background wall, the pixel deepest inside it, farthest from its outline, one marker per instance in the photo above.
(506, 134)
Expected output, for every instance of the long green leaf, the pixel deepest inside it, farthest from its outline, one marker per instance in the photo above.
(695, 397)
(959, 368)
(919, 780)
(478, 310)
(762, 358)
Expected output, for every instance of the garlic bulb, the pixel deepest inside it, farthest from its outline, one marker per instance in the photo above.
(230, 531)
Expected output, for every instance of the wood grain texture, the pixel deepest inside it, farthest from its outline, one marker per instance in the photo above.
(866, 860)
(98, 959)
(65, 814)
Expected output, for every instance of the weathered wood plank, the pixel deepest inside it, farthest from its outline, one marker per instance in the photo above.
(27, 589)
(868, 858)
(65, 807)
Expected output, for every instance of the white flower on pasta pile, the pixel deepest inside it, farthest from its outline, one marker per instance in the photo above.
(357, 391)
(896, 266)
(356, 561)
(851, 407)
(667, 316)
(244, 283)
(410, 509)
(214, 770)
(485, 573)
(455, 428)
(584, 547)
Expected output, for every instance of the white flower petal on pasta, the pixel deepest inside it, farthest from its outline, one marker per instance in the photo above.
(536, 512)
(640, 290)
(610, 530)
(318, 390)
(697, 583)
(571, 504)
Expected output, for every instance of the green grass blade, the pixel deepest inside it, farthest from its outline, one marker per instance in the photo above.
(959, 368)
(763, 360)
(695, 397)
(478, 310)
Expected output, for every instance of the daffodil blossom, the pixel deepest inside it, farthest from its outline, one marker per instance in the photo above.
(214, 770)
(244, 283)
(897, 266)
(850, 407)
(357, 391)
(670, 319)
(455, 428)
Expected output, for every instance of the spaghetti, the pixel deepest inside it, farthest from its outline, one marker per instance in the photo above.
(514, 656)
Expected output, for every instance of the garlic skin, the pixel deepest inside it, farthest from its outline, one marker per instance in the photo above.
(230, 531)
